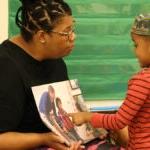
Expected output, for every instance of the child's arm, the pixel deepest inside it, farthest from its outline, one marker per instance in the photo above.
(132, 104)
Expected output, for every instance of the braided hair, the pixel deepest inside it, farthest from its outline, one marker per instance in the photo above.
(36, 15)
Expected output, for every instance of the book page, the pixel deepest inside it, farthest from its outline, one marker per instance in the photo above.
(54, 101)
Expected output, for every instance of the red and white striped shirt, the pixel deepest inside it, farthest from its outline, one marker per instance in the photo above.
(134, 113)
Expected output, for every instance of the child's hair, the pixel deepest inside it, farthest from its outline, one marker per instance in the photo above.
(36, 15)
(141, 25)
(58, 101)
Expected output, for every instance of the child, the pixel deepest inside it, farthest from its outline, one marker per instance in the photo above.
(135, 110)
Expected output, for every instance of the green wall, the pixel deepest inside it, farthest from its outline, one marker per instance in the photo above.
(103, 58)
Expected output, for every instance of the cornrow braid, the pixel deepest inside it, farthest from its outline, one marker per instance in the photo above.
(36, 15)
(60, 9)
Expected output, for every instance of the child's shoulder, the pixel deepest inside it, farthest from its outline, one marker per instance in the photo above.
(143, 74)
(142, 78)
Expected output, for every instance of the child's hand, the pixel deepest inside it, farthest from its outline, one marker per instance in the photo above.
(120, 137)
(80, 118)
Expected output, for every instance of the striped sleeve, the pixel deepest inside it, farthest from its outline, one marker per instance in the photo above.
(137, 93)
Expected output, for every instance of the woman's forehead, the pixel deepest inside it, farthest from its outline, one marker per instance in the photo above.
(65, 22)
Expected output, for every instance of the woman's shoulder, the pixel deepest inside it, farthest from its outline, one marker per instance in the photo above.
(7, 64)
(4, 53)
(5, 47)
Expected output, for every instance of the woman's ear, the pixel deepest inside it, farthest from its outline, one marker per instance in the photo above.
(41, 36)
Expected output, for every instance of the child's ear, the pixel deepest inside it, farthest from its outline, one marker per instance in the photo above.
(148, 45)
(149, 51)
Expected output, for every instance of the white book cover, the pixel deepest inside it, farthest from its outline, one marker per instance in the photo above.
(54, 101)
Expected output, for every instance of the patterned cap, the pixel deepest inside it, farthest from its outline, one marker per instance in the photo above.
(141, 25)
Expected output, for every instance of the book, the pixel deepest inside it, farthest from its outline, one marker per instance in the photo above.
(54, 101)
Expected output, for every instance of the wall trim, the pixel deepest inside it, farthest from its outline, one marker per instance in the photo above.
(3, 20)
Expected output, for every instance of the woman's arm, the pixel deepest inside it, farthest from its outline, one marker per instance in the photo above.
(24, 141)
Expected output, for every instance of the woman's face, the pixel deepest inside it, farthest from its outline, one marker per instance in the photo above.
(142, 49)
(58, 45)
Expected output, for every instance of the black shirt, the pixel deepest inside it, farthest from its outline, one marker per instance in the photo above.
(18, 73)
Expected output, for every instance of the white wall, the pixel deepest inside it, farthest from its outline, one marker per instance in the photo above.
(3, 20)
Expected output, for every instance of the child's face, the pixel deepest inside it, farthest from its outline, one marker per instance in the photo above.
(142, 49)
(59, 104)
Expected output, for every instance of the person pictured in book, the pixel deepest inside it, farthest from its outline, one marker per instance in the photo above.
(47, 107)
(135, 110)
(31, 58)
(66, 123)
(52, 109)
(80, 105)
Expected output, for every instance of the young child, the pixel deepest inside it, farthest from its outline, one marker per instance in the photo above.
(135, 110)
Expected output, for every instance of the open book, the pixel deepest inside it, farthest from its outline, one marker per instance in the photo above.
(54, 101)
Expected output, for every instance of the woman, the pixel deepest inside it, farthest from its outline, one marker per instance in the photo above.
(33, 58)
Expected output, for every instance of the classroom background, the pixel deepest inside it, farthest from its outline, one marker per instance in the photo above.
(103, 59)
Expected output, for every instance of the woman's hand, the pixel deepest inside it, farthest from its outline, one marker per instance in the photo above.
(54, 141)
(75, 146)
(51, 137)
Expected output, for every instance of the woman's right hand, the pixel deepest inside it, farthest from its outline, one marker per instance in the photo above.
(54, 141)
(76, 146)
(50, 137)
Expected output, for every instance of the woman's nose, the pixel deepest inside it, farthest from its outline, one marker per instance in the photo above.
(72, 37)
